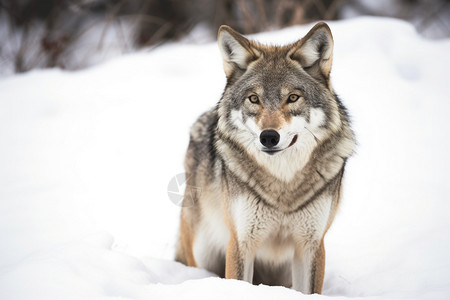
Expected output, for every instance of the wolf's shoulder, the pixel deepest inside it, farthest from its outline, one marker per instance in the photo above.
(203, 129)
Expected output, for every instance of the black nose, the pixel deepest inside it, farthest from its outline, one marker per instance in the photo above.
(269, 138)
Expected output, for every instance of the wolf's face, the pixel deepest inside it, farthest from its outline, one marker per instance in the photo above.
(278, 104)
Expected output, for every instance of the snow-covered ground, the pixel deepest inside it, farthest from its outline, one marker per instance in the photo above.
(86, 159)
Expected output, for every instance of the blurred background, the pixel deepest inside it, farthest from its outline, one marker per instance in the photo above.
(74, 34)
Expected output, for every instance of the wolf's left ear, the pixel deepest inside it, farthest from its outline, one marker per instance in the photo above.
(315, 52)
(237, 51)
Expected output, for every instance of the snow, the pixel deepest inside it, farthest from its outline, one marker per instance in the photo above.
(86, 158)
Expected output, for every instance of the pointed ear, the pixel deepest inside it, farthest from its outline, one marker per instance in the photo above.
(315, 52)
(237, 51)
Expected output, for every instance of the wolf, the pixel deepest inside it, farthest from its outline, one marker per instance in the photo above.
(267, 164)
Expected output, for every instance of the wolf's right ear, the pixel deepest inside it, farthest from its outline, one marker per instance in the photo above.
(237, 51)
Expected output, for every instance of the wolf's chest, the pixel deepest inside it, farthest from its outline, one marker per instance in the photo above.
(297, 229)
(278, 232)
(275, 231)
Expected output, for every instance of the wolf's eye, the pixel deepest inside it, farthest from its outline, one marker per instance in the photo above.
(253, 99)
(292, 98)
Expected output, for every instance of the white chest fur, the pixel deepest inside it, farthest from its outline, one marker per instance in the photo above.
(278, 234)
(274, 234)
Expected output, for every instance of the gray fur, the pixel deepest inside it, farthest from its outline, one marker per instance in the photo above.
(218, 162)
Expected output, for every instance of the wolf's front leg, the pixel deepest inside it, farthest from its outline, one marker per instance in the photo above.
(308, 268)
(239, 259)
(246, 232)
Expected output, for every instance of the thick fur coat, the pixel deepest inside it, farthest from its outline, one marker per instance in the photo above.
(264, 168)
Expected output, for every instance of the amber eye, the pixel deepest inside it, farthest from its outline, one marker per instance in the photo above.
(253, 99)
(293, 97)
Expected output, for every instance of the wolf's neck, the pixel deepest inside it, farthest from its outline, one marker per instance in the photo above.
(286, 165)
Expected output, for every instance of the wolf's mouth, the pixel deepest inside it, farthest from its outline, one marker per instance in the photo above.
(273, 151)
(293, 140)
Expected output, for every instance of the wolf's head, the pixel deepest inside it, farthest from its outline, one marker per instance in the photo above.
(278, 104)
